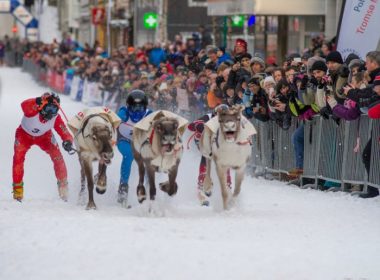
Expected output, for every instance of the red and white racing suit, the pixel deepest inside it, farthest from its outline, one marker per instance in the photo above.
(34, 130)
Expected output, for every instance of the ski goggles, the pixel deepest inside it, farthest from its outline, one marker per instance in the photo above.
(137, 107)
(50, 109)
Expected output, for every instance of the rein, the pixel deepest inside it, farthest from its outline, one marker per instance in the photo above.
(86, 122)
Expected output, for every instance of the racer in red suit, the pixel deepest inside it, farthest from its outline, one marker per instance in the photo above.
(40, 116)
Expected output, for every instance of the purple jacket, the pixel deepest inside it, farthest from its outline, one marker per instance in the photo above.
(346, 112)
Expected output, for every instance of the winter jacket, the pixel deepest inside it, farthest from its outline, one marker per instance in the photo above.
(156, 56)
(349, 111)
(339, 80)
(30, 109)
(237, 77)
(364, 97)
(259, 100)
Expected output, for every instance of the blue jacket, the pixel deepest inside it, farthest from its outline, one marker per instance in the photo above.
(156, 56)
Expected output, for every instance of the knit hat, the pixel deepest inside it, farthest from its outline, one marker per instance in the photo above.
(259, 60)
(269, 79)
(319, 65)
(334, 56)
(245, 55)
(312, 60)
(376, 81)
(254, 81)
(351, 57)
(242, 43)
(356, 63)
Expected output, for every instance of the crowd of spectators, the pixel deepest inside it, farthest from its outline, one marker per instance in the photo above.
(192, 78)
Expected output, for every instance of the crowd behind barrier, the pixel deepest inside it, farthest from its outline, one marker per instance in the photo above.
(304, 125)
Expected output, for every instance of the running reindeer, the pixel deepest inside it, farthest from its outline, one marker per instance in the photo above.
(157, 147)
(226, 140)
(94, 131)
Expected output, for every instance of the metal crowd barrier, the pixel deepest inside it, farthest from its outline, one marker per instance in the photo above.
(374, 174)
(13, 59)
(332, 152)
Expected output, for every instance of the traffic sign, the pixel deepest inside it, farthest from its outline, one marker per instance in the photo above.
(150, 20)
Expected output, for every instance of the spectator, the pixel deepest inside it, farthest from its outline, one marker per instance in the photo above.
(205, 36)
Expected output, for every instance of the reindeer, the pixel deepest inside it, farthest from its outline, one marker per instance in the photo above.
(226, 140)
(94, 138)
(157, 147)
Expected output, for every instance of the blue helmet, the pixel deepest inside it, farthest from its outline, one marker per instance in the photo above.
(137, 102)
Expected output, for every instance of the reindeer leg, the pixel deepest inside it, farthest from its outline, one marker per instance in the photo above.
(152, 184)
(223, 184)
(207, 186)
(141, 194)
(173, 187)
(101, 182)
(239, 176)
(81, 198)
(204, 181)
(90, 185)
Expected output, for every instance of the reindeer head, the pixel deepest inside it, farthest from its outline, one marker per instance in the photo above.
(229, 120)
(167, 133)
(101, 137)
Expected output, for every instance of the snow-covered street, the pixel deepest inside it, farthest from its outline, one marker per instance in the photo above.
(275, 232)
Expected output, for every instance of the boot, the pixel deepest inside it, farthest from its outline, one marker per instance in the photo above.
(122, 194)
(63, 189)
(18, 191)
(372, 192)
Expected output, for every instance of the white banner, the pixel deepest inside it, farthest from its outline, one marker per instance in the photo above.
(23, 15)
(360, 28)
(5, 6)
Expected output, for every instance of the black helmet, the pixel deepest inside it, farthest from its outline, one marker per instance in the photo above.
(137, 97)
(48, 105)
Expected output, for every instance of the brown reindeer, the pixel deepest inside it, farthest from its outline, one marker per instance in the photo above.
(94, 140)
(226, 139)
(158, 149)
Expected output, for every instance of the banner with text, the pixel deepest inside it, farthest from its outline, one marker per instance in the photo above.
(360, 28)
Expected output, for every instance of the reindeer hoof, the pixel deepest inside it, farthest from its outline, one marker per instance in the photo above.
(165, 187)
(141, 195)
(173, 190)
(100, 189)
(91, 206)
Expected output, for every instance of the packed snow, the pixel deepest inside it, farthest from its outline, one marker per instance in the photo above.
(275, 231)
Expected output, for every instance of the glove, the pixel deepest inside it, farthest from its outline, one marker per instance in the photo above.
(248, 112)
(313, 81)
(67, 146)
(325, 113)
(39, 101)
(199, 127)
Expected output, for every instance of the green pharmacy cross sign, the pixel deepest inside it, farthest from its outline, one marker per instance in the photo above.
(237, 21)
(150, 20)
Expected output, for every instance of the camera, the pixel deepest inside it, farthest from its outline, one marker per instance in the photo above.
(273, 102)
(341, 90)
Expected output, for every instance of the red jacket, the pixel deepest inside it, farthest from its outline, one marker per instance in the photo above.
(30, 109)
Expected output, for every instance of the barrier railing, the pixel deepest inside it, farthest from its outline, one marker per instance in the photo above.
(12, 58)
(332, 152)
